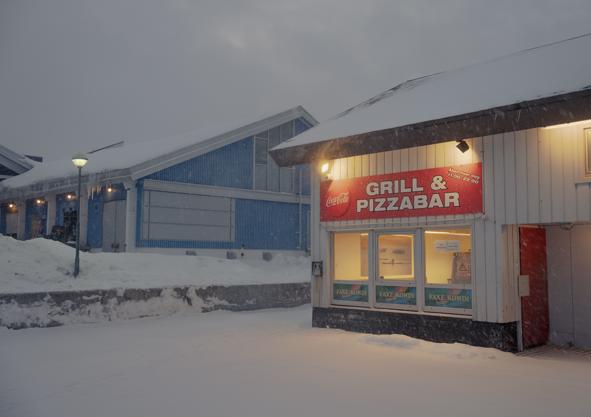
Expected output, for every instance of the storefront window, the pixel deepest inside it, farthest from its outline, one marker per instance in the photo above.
(588, 151)
(447, 256)
(382, 269)
(350, 257)
(396, 259)
(350, 268)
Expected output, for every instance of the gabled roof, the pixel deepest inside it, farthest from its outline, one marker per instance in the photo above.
(539, 86)
(14, 161)
(139, 159)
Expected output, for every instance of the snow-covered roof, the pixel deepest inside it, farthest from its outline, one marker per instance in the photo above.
(139, 159)
(15, 161)
(535, 73)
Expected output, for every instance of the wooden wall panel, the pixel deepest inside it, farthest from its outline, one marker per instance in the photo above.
(533, 174)
(529, 177)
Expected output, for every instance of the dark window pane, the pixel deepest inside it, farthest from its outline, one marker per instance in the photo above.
(264, 134)
(260, 151)
(286, 131)
(260, 182)
(274, 137)
(286, 180)
(273, 175)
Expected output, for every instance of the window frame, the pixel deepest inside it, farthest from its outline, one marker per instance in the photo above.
(587, 152)
(367, 282)
(455, 311)
(265, 136)
(419, 281)
(412, 283)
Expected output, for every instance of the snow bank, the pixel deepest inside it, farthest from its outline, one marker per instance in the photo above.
(44, 265)
(449, 350)
(50, 309)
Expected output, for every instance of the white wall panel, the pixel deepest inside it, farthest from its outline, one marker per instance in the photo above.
(529, 177)
(569, 285)
(178, 216)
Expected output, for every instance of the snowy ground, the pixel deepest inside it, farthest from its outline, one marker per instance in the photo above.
(271, 364)
(45, 265)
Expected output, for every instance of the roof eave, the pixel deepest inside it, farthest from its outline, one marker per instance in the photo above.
(189, 152)
(62, 185)
(562, 108)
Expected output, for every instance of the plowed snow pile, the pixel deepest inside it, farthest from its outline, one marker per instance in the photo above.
(45, 265)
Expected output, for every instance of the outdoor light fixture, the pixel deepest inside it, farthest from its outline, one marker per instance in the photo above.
(69, 196)
(11, 206)
(462, 146)
(79, 160)
(40, 201)
(324, 167)
(109, 189)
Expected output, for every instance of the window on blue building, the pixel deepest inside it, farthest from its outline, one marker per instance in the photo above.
(268, 175)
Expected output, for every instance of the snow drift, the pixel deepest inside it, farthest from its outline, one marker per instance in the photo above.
(45, 265)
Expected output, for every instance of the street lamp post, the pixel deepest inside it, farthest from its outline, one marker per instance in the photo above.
(79, 160)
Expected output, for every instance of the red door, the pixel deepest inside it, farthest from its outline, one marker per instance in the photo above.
(534, 308)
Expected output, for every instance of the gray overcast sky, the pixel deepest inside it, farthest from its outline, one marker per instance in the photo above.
(78, 74)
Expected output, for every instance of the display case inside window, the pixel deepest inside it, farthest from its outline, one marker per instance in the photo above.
(448, 270)
(395, 285)
(447, 256)
(396, 256)
(588, 152)
(350, 267)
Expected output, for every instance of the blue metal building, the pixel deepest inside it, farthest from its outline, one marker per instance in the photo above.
(201, 192)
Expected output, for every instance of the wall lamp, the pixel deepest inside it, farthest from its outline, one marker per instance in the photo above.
(326, 169)
(462, 146)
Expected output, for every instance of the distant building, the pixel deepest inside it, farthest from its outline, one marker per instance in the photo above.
(12, 163)
(209, 191)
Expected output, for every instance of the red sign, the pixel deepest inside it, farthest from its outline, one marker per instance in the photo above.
(427, 192)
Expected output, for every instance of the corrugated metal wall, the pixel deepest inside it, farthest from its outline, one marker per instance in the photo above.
(63, 203)
(3, 210)
(258, 224)
(529, 177)
(95, 212)
(35, 213)
(229, 166)
(269, 225)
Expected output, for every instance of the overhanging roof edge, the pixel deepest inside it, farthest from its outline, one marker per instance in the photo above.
(557, 109)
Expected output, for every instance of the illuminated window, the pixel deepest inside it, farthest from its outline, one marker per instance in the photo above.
(447, 256)
(588, 151)
(396, 256)
(350, 257)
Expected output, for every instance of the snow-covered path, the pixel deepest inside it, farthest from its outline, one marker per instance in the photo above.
(271, 363)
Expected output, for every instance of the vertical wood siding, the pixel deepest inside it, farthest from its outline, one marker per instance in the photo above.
(532, 176)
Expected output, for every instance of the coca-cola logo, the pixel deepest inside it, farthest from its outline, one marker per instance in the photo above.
(335, 200)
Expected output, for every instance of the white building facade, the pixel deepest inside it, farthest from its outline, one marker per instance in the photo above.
(454, 225)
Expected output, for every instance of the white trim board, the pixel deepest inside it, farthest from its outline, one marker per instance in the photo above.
(157, 164)
(14, 161)
(175, 187)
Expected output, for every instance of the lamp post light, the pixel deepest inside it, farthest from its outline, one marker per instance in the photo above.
(79, 160)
